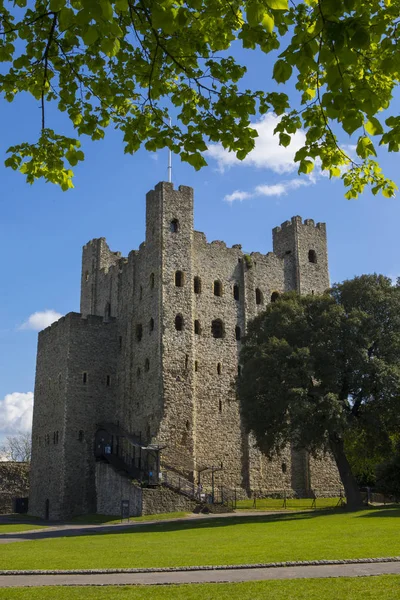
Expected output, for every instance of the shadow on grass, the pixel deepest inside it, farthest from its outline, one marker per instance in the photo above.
(190, 524)
(181, 525)
(382, 511)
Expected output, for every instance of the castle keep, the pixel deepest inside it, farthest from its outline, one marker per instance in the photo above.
(152, 359)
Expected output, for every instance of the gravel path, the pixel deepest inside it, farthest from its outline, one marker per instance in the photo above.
(204, 576)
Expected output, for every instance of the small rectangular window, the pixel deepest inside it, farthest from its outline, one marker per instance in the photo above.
(108, 380)
(84, 378)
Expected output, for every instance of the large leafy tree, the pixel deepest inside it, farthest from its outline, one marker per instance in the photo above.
(130, 64)
(319, 368)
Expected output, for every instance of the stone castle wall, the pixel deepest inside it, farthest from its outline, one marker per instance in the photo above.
(170, 384)
(73, 395)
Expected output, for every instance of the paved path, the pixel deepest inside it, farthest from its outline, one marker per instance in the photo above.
(209, 576)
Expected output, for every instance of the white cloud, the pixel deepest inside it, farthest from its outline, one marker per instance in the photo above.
(267, 153)
(238, 195)
(41, 320)
(276, 189)
(16, 413)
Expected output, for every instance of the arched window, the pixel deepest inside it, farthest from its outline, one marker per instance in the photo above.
(139, 332)
(179, 322)
(217, 328)
(151, 324)
(146, 365)
(237, 332)
(197, 328)
(274, 296)
(197, 285)
(284, 467)
(196, 366)
(236, 292)
(174, 226)
(217, 288)
(312, 257)
(179, 279)
(152, 280)
(87, 276)
(259, 296)
(219, 368)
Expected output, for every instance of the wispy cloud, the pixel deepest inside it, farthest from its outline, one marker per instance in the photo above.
(274, 190)
(267, 153)
(16, 413)
(41, 320)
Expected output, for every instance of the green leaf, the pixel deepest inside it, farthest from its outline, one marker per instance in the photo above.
(254, 13)
(361, 38)
(284, 139)
(107, 9)
(91, 35)
(278, 4)
(373, 127)
(306, 166)
(282, 71)
(122, 5)
(56, 5)
(268, 23)
(66, 18)
(365, 147)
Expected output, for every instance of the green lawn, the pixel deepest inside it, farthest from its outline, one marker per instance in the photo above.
(385, 587)
(232, 540)
(110, 520)
(291, 503)
(13, 527)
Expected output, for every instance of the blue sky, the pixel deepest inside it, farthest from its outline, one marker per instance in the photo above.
(42, 229)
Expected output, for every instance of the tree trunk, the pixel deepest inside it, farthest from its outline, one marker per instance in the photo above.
(353, 495)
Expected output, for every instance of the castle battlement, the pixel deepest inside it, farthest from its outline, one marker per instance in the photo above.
(299, 221)
(73, 320)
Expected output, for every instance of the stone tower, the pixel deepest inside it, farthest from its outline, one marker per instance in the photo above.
(153, 356)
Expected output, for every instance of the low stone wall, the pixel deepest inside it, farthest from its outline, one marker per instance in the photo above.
(163, 500)
(111, 488)
(14, 483)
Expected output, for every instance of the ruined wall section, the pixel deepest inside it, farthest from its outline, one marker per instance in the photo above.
(99, 279)
(324, 475)
(74, 393)
(304, 247)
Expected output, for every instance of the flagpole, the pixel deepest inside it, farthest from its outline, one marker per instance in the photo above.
(170, 160)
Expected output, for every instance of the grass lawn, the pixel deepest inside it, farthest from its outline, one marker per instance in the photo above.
(232, 540)
(107, 519)
(384, 587)
(13, 527)
(291, 503)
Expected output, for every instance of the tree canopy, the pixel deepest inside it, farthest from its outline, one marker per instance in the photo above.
(17, 448)
(317, 369)
(132, 64)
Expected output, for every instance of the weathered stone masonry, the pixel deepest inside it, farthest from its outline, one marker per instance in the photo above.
(155, 349)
